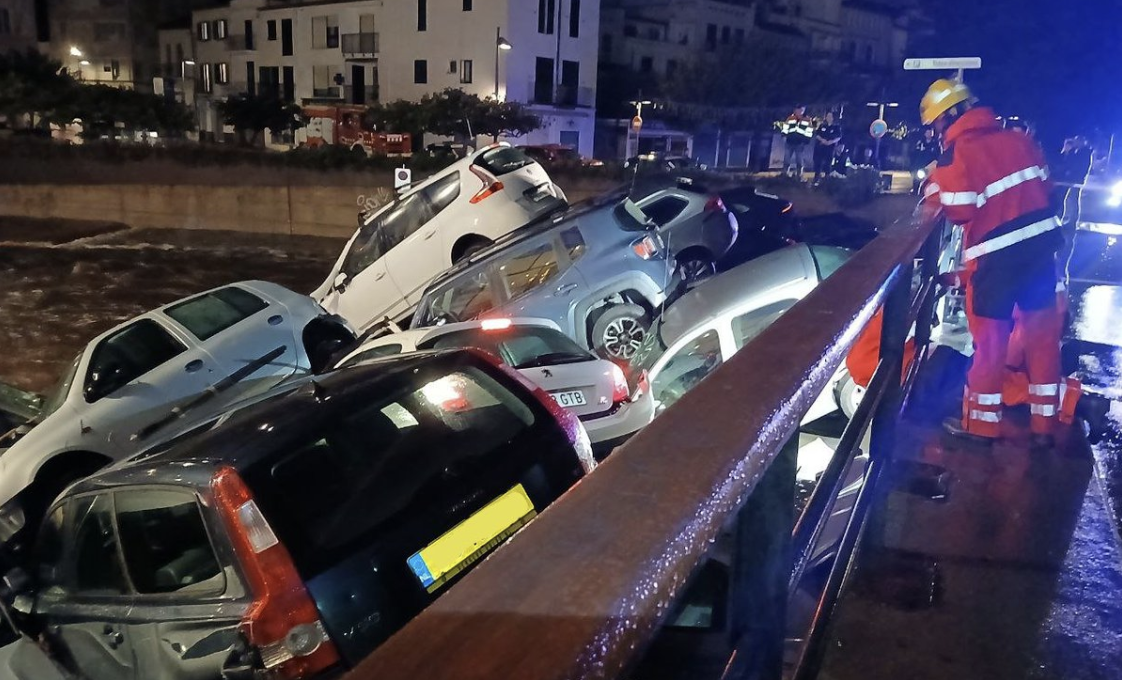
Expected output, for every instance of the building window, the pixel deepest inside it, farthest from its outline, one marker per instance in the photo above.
(220, 29)
(222, 73)
(738, 36)
(574, 18)
(208, 74)
(725, 33)
(570, 81)
(286, 37)
(546, 11)
(322, 83)
(249, 34)
(420, 71)
(646, 65)
(630, 31)
(465, 71)
(204, 31)
(711, 36)
(289, 81)
(467, 5)
(271, 29)
(269, 85)
(543, 80)
(452, 66)
(250, 78)
(325, 32)
(422, 15)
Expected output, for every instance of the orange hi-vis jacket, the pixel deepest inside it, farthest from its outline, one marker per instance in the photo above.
(996, 185)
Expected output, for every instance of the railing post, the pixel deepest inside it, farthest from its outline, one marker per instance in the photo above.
(761, 569)
(929, 270)
(894, 334)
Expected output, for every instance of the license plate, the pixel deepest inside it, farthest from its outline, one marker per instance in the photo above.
(569, 399)
(467, 542)
(541, 193)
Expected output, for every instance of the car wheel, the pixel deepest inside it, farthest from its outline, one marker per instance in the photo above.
(472, 247)
(619, 331)
(694, 267)
(848, 395)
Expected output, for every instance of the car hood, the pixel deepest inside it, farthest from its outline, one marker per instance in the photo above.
(18, 405)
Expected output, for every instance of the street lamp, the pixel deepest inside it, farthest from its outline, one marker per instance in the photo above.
(502, 44)
(75, 52)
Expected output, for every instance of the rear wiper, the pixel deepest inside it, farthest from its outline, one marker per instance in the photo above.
(555, 358)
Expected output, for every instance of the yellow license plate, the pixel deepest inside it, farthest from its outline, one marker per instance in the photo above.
(467, 542)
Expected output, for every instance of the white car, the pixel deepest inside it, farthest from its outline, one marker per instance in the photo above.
(396, 251)
(706, 326)
(594, 389)
(131, 384)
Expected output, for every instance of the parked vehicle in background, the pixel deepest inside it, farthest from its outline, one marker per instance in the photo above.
(657, 162)
(594, 389)
(599, 271)
(694, 223)
(706, 326)
(131, 383)
(343, 125)
(427, 228)
(289, 538)
(551, 155)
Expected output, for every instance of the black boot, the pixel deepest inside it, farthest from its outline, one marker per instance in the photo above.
(953, 427)
(1093, 409)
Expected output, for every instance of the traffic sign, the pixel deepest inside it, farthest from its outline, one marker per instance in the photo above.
(402, 178)
(943, 64)
(878, 128)
(636, 124)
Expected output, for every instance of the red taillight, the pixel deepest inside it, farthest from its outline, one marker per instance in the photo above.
(491, 185)
(642, 385)
(495, 324)
(282, 624)
(620, 391)
(714, 203)
(787, 208)
(578, 437)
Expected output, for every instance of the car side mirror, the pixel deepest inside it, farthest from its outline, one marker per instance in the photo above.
(17, 582)
(105, 380)
(340, 282)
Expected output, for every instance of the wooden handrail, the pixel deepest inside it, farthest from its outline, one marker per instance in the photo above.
(580, 591)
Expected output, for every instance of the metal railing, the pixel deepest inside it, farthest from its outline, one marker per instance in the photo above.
(584, 589)
(561, 95)
(360, 44)
(367, 95)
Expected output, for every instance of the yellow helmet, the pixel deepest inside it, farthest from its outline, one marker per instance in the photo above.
(941, 96)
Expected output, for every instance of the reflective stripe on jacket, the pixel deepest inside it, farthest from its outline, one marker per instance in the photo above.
(798, 128)
(993, 182)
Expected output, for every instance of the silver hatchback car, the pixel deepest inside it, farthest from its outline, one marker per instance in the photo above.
(599, 271)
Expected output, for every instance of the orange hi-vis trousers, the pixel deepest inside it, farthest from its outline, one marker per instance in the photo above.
(1016, 389)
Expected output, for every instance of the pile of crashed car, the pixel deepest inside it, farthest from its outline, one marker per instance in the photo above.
(252, 480)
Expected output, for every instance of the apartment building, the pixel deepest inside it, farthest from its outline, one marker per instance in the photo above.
(17, 25)
(539, 52)
(870, 34)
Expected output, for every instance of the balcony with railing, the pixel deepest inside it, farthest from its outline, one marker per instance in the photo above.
(360, 45)
(237, 43)
(360, 95)
(561, 95)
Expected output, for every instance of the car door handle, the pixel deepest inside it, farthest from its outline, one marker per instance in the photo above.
(379, 276)
(194, 366)
(113, 637)
(275, 320)
(565, 288)
(430, 234)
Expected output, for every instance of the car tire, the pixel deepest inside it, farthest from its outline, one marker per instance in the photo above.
(470, 248)
(695, 266)
(619, 331)
(848, 395)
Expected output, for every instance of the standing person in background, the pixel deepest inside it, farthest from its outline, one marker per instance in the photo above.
(1071, 173)
(825, 141)
(797, 131)
(840, 164)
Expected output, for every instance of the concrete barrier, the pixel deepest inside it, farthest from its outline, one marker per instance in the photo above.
(298, 210)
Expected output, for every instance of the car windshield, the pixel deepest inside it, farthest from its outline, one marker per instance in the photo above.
(461, 299)
(57, 396)
(517, 346)
(501, 160)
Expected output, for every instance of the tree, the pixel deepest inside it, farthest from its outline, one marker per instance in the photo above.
(252, 114)
(103, 108)
(452, 113)
(34, 89)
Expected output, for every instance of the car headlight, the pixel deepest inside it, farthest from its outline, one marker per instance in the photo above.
(12, 520)
(921, 174)
(1115, 199)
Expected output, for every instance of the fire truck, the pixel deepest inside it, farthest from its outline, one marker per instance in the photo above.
(342, 125)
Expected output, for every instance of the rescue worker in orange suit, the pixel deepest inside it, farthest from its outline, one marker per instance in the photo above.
(994, 183)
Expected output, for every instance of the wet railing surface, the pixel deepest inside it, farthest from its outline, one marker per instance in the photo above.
(582, 590)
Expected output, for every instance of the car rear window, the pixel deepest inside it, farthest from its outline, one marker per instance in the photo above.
(501, 160)
(461, 299)
(361, 476)
(630, 216)
(165, 543)
(517, 346)
(207, 315)
(828, 259)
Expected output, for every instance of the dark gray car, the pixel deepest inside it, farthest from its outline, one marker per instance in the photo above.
(290, 537)
(599, 272)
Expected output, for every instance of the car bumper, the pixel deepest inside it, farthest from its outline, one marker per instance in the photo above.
(631, 417)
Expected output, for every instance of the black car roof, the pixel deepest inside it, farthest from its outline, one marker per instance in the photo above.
(244, 435)
(535, 227)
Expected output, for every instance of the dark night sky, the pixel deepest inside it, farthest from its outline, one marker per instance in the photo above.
(1056, 62)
